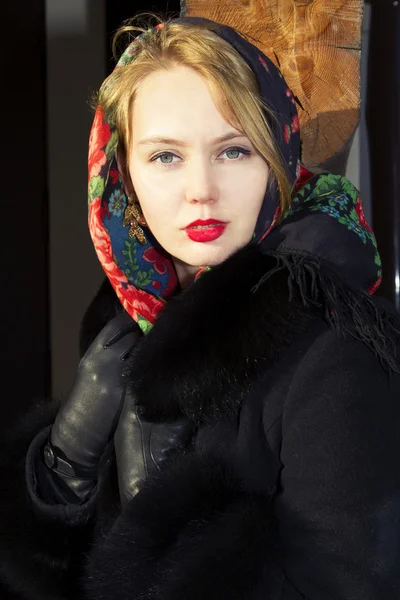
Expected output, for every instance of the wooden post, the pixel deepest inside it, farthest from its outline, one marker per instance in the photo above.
(317, 44)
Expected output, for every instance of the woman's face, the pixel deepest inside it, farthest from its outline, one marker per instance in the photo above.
(200, 194)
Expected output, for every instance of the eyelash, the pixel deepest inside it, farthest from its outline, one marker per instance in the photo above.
(243, 151)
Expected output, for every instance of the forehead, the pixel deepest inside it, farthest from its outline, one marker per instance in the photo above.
(178, 99)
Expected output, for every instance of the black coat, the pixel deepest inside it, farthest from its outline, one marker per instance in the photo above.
(292, 489)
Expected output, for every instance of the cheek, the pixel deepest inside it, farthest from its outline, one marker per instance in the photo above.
(157, 213)
(249, 188)
(154, 195)
(259, 187)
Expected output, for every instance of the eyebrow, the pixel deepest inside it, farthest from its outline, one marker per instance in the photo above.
(173, 142)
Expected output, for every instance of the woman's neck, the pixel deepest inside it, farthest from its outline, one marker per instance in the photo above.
(185, 273)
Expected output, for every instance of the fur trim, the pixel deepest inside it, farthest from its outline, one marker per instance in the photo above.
(177, 537)
(348, 310)
(216, 327)
(235, 322)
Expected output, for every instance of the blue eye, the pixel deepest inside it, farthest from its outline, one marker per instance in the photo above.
(236, 151)
(164, 154)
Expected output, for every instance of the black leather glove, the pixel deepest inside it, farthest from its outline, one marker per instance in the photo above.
(87, 421)
(142, 447)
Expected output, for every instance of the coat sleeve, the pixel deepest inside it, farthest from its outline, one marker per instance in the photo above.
(338, 504)
(42, 542)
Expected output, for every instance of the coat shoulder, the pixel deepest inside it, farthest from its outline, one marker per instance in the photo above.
(339, 486)
(322, 348)
(324, 373)
(322, 351)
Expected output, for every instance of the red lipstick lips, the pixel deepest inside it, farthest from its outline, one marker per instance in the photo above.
(205, 230)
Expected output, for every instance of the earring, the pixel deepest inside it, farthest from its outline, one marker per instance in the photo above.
(133, 216)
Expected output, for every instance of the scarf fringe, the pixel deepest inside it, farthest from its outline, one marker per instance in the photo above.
(348, 310)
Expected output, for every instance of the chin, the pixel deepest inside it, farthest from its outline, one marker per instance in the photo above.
(207, 255)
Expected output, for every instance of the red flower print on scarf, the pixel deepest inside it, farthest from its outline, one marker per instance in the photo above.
(295, 124)
(114, 176)
(289, 94)
(152, 256)
(99, 136)
(104, 211)
(274, 221)
(374, 286)
(262, 61)
(361, 215)
(136, 302)
(286, 133)
(302, 178)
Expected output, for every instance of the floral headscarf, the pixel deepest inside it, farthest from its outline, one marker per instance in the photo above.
(143, 276)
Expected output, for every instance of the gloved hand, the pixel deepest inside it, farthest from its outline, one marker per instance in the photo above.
(86, 422)
(142, 447)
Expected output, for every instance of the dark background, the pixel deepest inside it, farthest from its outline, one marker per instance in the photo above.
(27, 226)
(25, 275)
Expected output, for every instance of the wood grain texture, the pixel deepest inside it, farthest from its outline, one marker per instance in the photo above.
(317, 44)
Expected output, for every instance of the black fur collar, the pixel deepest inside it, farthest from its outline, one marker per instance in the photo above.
(216, 338)
(220, 335)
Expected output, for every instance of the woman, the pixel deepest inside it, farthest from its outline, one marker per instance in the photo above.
(234, 432)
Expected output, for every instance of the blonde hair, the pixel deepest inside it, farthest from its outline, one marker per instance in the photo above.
(231, 81)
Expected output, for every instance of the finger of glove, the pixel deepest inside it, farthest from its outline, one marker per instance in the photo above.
(116, 330)
(84, 426)
(131, 441)
(121, 325)
(128, 338)
(86, 421)
(115, 340)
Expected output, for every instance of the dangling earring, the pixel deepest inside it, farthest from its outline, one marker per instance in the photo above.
(133, 216)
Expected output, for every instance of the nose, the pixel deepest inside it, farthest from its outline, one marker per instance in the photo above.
(201, 185)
